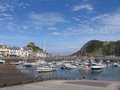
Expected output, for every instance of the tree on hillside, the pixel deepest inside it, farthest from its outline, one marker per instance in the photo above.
(34, 47)
(96, 47)
(117, 48)
(31, 44)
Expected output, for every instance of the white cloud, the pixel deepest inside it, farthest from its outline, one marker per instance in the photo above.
(79, 7)
(102, 24)
(52, 28)
(16, 37)
(10, 26)
(38, 28)
(6, 7)
(46, 19)
(12, 5)
(24, 27)
(72, 31)
(7, 17)
(108, 23)
(76, 18)
(99, 17)
(56, 33)
(112, 19)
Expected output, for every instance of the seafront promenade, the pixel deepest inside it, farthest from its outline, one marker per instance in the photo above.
(68, 85)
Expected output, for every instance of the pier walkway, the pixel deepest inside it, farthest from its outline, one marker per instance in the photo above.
(68, 85)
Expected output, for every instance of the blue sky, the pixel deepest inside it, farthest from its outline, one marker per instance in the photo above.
(66, 25)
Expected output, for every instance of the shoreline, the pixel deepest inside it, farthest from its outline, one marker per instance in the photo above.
(10, 76)
(68, 85)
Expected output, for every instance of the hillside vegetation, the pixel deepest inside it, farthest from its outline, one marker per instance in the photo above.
(34, 47)
(96, 47)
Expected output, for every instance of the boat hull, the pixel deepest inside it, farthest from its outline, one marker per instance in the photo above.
(42, 70)
(97, 68)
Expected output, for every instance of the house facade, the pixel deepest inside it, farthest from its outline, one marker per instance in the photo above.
(8, 51)
(4, 50)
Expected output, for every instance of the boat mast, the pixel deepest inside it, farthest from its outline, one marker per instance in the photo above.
(44, 48)
(44, 44)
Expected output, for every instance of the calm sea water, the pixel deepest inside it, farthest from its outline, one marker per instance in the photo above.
(109, 73)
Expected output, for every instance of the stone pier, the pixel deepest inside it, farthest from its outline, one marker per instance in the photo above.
(68, 85)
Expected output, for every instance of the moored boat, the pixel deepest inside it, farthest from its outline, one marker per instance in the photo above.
(2, 62)
(115, 64)
(97, 67)
(42, 67)
(45, 69)
(70, 66)
(27, 65)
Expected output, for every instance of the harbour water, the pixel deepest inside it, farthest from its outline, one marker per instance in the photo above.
(109, 73)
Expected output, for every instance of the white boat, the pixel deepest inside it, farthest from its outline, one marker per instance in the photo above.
(42, 66)
(59, 65)
(42, 69)
(70, 66)
(2, 62)
(97, 67)
(115, 65)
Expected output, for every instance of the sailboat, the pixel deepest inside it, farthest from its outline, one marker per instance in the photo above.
(42, 65)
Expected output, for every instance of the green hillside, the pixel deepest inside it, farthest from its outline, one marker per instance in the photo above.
(34, 47)
(96, 47)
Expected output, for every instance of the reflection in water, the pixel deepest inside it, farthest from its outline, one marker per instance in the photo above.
(109, 73)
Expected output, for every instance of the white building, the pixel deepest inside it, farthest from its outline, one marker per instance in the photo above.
(14, 52)
(7, 51)
(24, 52)
(19, 52)
(4, 50)
(42, 54)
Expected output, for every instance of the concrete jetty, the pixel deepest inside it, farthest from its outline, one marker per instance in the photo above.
(68, 85)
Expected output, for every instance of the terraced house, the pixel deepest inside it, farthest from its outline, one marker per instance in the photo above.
(4, 50)
(7, 51)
